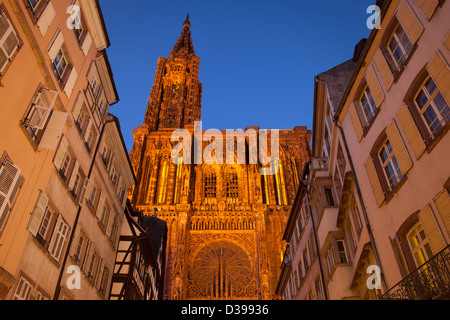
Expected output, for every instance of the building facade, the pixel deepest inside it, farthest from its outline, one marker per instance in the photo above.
(383, 229)
(64, 167)
(141, 256)
(225, 220)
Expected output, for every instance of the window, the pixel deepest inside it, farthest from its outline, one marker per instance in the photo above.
(210, 186)
(300, 271)
(62, 66)
(306, 260)
(329, 196)
(40, 111)
(326, 144)
(232, 186)
(59, 238)
(432, 106)
(368, 104)
(23, 290)
(44, 227)
(399, 47)
(341, 251)
(90, 137)
(418, 243)
(104, 218)
(41, 296)
(33, 4)
(9, 41)
(48, 227)
(59, 65)
(330, 260)
(80, 248)
(389, 164)
(92, 196)
(104, 280)
(10, 183)
(355, 216)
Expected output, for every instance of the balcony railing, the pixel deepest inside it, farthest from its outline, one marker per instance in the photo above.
(431, 281)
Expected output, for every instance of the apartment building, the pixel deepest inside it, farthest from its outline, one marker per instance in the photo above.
(64, 167)
(383, 220)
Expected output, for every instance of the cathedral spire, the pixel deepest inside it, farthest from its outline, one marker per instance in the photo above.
(184, 45)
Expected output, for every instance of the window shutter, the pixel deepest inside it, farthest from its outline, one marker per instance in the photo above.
(98, 281)
(78, 106)
(431, 229)
(46, 18)
(443, 204)
(374, 86)
(38, 213)
(447, 41)
(439, 71)
(409, 22)
(83, 191)
(60, 153)
(400, 151)
(10, 182)
(356, 121)
(87, 256)
(70, 84)
(428, 7)
(88, 186)
(58, 240)
(412, 133)
(110, 224)
(53, 130)
(400, 256)
(8, 39)
(374, 182)
(41, 109)
(100, 205)
(383, 69)
(55, 46)
(88, 129)
(87, 44)
(74, 174)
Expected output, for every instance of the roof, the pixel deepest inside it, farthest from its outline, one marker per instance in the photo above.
(337, 80)
(184, 45)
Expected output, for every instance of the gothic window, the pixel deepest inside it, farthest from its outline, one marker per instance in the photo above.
(162, 181)
(232, 186)
(280, 189)
(210, 186)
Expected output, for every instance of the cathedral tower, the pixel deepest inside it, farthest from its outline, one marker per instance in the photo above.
(176, 94)
(225, 221)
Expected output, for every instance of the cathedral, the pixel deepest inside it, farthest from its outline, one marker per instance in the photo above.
(225, 220)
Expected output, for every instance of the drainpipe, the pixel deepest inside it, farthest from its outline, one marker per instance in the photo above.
(366, 218)
(72, 234)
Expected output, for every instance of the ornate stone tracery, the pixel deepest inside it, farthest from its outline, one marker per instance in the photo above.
(224, 242)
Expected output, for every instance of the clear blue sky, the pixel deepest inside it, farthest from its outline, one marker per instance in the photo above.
(258, 59)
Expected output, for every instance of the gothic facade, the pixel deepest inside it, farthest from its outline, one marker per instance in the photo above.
(225, 221)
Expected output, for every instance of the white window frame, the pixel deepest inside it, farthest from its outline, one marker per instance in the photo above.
(405, 51)
(392, 161)
(367, 95)
(9, 189)
(23, 290)
(59, 238)
(55, 66)
(9, 31)
(431, 104)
